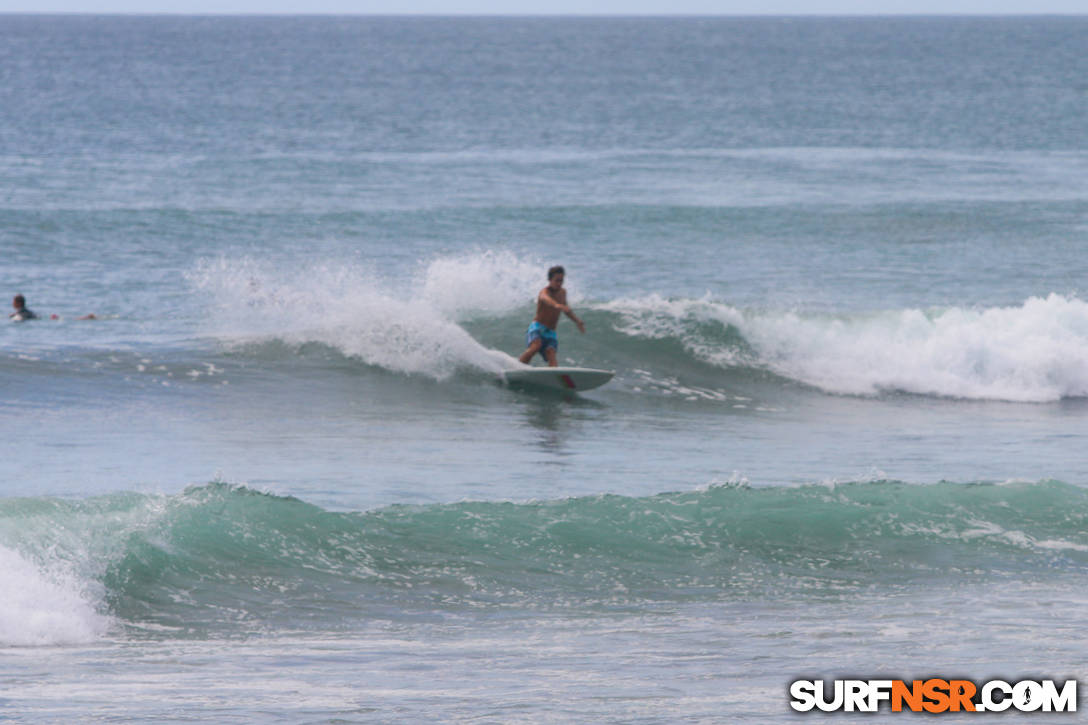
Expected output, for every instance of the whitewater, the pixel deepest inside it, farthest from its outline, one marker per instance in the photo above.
(1036, 351)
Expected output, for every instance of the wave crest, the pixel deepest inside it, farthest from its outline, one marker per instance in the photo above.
(1034, 352)
(222, 556)
(442, 321)
(415, 329)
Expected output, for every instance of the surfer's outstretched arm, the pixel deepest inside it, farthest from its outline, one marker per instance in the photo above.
(559, 302)
(577, 321)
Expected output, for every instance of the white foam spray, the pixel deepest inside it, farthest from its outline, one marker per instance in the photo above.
(40, 607)
(1034, 352)
(412, 327)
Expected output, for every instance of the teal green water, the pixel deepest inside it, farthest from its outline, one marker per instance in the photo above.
(219, 558)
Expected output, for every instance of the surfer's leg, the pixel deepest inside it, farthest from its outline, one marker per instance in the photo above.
(549, 353)
(534, 347)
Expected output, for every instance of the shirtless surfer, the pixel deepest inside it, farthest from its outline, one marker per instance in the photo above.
(541, 336)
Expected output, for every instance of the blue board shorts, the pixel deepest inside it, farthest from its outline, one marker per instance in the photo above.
(546, 335)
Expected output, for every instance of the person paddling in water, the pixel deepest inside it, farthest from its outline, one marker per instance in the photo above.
(541, 335)
(22, 312)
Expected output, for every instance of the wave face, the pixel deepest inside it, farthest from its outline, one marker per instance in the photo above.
(467, 314)
(223, 558)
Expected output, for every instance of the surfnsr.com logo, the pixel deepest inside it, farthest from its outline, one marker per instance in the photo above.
(933, 695)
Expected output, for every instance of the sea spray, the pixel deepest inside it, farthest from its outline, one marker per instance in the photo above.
(1033, 352)
(486, 282)
(345, 306)
(45, 605)
(446, 318)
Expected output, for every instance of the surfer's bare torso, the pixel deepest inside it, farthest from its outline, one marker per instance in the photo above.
(549, 303)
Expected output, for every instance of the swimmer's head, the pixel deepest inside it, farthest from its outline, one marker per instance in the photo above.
(18, 302)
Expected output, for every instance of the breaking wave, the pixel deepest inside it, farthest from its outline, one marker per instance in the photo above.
(226, 558)
(468, 312)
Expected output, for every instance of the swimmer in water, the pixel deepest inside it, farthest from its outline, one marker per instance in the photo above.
(22, 312)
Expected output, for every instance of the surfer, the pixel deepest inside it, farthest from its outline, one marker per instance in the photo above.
(541, 336)
(22, 312)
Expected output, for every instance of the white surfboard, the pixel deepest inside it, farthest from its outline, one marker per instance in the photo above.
(572, 379)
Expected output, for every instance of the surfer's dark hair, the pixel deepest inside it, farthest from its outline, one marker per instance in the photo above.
(557, 269)
(21, 301)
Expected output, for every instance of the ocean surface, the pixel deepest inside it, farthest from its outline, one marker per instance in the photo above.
(840, 267)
